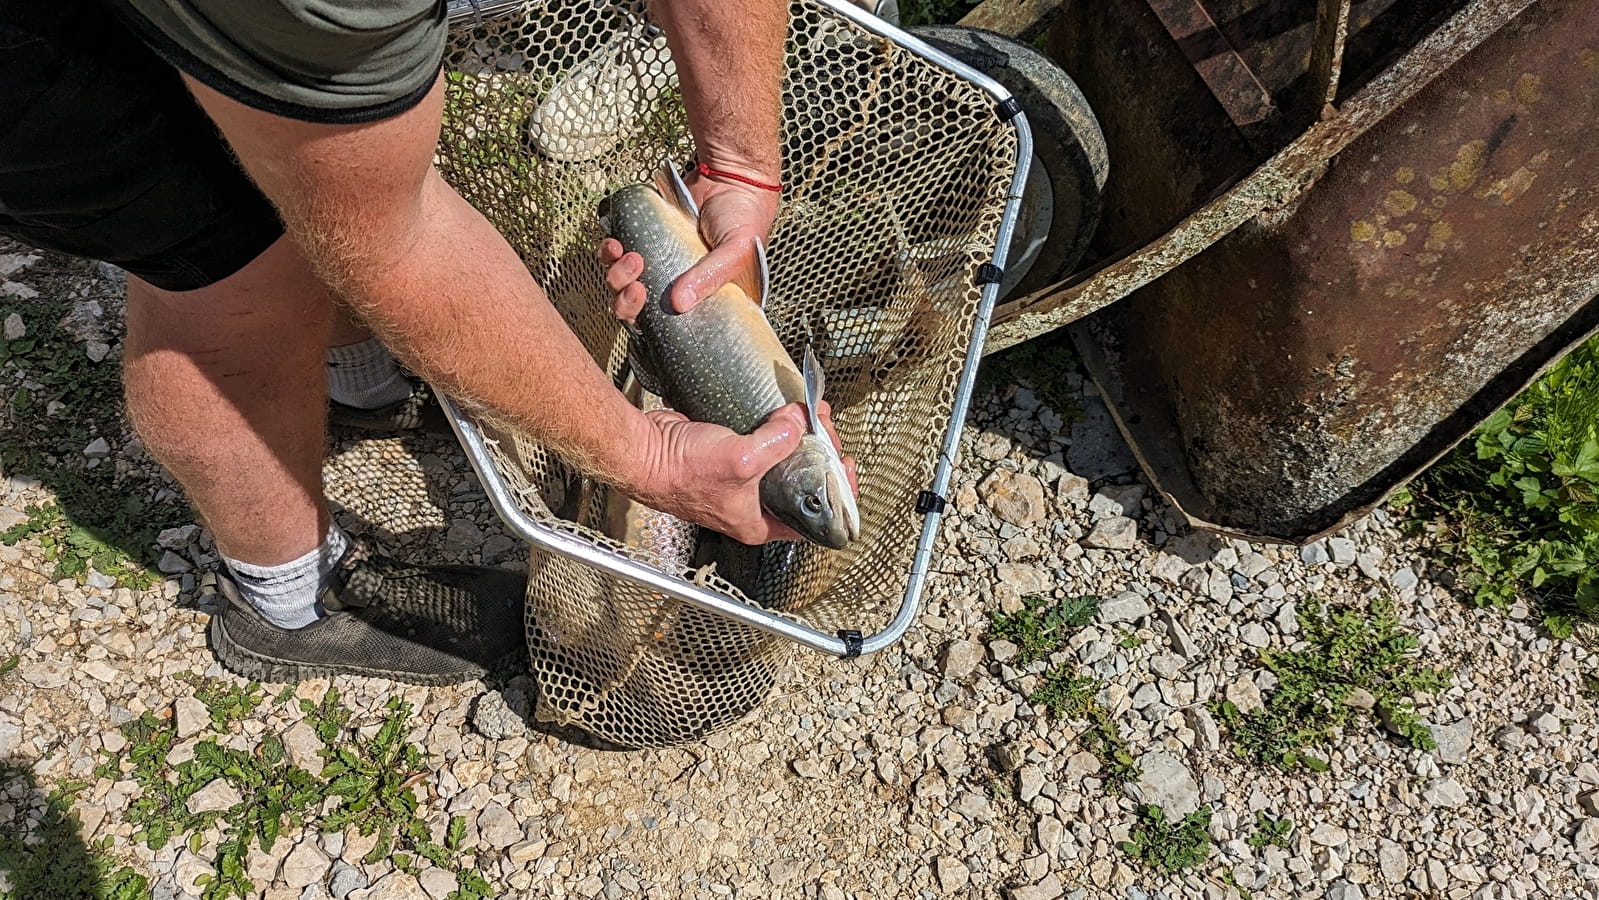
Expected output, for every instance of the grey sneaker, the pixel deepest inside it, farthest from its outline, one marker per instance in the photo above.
(418, 412)
(603, 99)
(418, 624)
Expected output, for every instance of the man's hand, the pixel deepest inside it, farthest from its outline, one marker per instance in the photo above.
(710, 475)
(734, 101)
(733, 217)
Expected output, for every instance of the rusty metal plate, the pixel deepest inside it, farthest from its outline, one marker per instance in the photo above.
(1174, 194)
(1290, 375)
(1207, 49)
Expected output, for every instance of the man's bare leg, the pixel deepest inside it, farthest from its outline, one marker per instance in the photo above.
(226, 387)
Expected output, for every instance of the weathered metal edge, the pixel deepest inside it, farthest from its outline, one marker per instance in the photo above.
(1443, 437)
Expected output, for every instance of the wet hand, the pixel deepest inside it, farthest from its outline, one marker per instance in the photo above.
(733, 217)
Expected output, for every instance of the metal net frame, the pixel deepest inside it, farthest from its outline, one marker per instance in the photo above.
(901, 173)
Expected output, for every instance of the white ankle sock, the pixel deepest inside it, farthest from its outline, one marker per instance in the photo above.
(365, 376)
(287, 594)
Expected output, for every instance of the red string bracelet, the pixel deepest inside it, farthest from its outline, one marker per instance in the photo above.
(709, 172)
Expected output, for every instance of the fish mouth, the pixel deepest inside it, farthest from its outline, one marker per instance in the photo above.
(850, 518)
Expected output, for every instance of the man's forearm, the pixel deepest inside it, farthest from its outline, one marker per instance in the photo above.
(434, 279)
(729, 56)
(461, 309)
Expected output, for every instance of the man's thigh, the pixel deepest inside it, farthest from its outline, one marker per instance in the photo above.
(103, 153)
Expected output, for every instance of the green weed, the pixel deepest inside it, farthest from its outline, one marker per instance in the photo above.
(999, 787)
(47, 857)
(1518, 505)
(1070, 696)
(10, 664)
(1040, 628)
(1271, 831)
(370, 780)
(53, 402)
(227, 703)
(1350, 649)
(1227, 877)
(75, 548)
(1170, 846)
(1065, 694)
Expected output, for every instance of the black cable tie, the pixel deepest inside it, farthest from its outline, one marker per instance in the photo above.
(852, 642)
(1009, 108)
(927, 502)
(988, 273)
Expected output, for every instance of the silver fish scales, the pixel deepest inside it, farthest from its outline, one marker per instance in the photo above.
(721, 361)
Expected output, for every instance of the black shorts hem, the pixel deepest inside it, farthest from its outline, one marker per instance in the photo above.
(191, 65)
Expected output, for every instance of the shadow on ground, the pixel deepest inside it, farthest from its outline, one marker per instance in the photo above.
(42, 854)
(62, 427)
(1036, 396)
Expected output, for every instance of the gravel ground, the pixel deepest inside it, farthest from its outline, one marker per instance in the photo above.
(878, 777)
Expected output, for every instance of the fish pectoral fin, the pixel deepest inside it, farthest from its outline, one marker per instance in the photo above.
(670, 185)
(643, 363)
(815, 383)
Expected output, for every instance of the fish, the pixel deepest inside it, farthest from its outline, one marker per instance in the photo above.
(721, 362)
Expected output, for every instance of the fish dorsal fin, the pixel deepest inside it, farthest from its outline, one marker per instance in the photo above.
(763, 273)
(679, 194)
(815, 383)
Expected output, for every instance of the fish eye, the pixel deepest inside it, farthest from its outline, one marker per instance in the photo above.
(813, 504)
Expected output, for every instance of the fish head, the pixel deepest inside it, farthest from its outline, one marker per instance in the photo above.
(810, 493)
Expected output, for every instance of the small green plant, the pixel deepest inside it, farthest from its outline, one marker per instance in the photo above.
(1066, 694)
(1227, 877)
(471, 885)
(74, 548)
(1169, 846)
(1518, 506)
(10, 664)
(55, 401)
(227, 703)
(1349, 649)
(1070, 696)
(327, 718)
(1271, 831)
(1130, 640)
(369, 779)
(1040, 628)
(998, 787)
